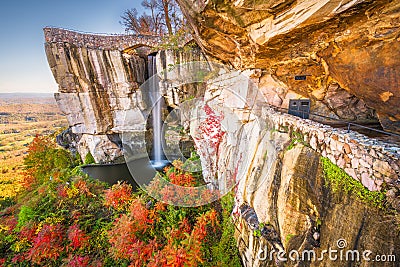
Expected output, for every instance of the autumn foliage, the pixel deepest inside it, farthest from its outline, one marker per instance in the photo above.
(44, 161)
(71, 220)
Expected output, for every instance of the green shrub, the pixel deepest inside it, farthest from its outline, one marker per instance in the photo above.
(296, 138)
(89, 159)
(25, 215)
(339, 180)
(225, 252)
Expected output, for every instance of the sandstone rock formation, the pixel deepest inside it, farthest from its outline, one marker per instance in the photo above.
(274, 160)
(303, 216)
(337, 45)
(243, 143)
(97, 89)
(100, 79)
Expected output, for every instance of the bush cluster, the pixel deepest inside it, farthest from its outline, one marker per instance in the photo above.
(63, 218)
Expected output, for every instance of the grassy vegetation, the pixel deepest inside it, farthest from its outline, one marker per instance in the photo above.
(339, 180)
(296, 138)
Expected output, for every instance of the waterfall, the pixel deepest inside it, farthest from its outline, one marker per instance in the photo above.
(156, 111)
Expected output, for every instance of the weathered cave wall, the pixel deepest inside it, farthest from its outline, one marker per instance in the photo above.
(351, 45)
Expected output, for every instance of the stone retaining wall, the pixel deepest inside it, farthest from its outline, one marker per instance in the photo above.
(368, 160)
(98, 41)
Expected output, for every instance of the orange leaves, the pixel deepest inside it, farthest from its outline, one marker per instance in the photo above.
(40, 144)
(177, 176)
(48, 244)
(182, 231)
(182, 179)
(44, 161)
(82, 187)
(126, 244)
(177, 186)
(140, 214)
(153, 237)
(176, 257)
(122, 237)
(77, 238)
(118, 196)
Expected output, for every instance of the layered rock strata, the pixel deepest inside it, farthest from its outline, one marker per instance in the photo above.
(305, 223)
(96, 90)
(100, 79)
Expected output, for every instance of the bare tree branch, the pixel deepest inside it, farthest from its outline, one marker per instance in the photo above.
(160, 18)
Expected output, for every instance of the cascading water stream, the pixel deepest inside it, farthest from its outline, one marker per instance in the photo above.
(156, 113)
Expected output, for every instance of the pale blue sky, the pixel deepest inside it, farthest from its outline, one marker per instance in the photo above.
(23, 63)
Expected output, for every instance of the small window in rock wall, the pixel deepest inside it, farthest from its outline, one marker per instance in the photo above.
(300, 107)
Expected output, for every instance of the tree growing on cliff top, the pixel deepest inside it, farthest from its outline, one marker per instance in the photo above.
(161, 17)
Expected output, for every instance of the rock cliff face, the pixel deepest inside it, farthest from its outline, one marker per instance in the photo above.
(96, 89)
(283, 201)
(347, 50)
(303, 218)
(99, 80)
(272, 160)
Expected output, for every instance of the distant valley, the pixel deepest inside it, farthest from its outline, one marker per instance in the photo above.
(22, 117)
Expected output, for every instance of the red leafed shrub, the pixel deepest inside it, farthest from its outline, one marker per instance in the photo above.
(118, 196)
(10, 222)
(77, 237)
(184, 228)
(44, 160)
(28, 181)
(47, 245)
(125, 244)
(82, 187)
(140, 214)
(209, 218)
(177, 257)
(182, 179)
(77, 261)
(122, 236)
(158, 259)
(62, 191)
(28, 232)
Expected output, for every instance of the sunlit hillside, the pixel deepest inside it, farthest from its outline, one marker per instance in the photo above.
(22, 117)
